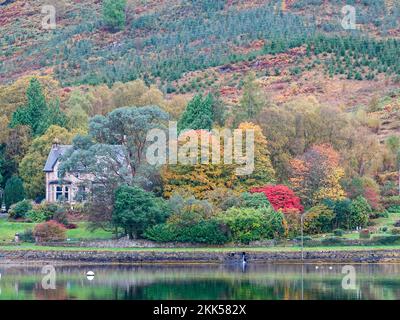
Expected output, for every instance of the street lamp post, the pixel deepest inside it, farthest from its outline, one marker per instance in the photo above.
(302, 236)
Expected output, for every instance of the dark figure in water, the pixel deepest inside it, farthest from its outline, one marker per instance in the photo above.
(244, 258)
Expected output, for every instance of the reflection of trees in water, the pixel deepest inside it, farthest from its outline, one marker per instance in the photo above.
(275, 282)
(60, 293)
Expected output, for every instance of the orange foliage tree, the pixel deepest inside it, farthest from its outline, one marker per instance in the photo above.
(316, 175)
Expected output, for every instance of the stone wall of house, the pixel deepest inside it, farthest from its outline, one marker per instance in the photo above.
(363, 256)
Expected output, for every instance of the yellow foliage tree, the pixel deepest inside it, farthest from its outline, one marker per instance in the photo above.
(31, 166)
(332, 188)
(198, 179)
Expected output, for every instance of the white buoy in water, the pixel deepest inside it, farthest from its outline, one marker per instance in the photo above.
(90, 275)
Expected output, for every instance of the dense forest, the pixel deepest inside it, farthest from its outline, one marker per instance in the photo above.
(324, 104)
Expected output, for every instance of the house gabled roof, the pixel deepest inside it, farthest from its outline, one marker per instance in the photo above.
(59, 150)
(55, 153)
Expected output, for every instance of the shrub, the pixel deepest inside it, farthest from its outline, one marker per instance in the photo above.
(36, 216)
(114, 13)
(44, 212)
(397, 223)
(318, 220)
(305, 238)
(281, 198)
(249, 224)
(223, 198)
(332, 241)
(61, 217)
(294, 223)
(376, 215)
(360, 211)
(395, 231)
(254, 200)
(365, 234)
(136, 209)
(386, 240)
(27, 236)
(391, 201)
(338, 232)
(20, 209)
(188, 211)
(206, 231)
(49, 209)
(50, 231)
(162, 233)
(394, 209)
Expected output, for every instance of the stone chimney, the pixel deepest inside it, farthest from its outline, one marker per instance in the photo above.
(56, 144)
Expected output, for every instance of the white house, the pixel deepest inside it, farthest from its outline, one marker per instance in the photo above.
(64, 189)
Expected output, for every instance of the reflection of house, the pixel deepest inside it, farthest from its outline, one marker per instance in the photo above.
(57, 189)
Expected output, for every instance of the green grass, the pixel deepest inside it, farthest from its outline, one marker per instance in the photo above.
(83, 233)
(9, 229)
(378, 224)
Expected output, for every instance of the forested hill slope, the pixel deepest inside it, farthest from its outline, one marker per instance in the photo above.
(163, 40)
(290, 67)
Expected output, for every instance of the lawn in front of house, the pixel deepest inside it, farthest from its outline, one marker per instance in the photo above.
(8, 229)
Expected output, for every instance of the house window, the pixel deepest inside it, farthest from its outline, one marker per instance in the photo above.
(66, 193)
(59, 193)
(81, 194)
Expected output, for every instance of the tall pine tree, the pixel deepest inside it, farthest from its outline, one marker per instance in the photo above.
(36, 114)
(32, 114)
(198, 114)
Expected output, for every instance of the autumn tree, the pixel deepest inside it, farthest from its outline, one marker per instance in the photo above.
(129, 93)
(200, 178)
(175, 107)
(31, 166)
(363, 154)
(281, 198)
(253, 100)
(197, 178)
(102, 102)
(81, 99)
(278, 127)
(316, 175)
(77, 118)
(14, 95)
(263, 172)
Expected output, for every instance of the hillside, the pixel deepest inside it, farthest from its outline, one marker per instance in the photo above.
(297, 50)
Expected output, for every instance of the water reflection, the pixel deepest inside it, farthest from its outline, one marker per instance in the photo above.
(249, 281)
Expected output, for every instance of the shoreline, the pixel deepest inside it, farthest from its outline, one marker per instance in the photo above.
(197, 256)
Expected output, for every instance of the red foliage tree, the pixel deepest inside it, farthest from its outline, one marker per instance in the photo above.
(281, 198)
(50, 231)
(373, 198)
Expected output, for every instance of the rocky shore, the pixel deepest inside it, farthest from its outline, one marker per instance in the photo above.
(198, 256)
